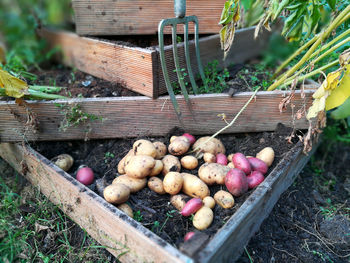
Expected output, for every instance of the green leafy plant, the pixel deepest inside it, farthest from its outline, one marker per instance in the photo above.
(108, 156)
(215, 80)
(138, 216)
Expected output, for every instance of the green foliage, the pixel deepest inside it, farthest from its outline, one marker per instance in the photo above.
(137, 216)
(108, 156)
(215, 80)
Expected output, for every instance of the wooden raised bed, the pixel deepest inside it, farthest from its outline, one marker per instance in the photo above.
(142, 116)
(128, 238)
(140, 17)
(139, 68)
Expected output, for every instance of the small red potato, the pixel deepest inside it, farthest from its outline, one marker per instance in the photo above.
(144, 147)
(63, 161)
(212, 173)
(126, 209)
(224, 199)
(188, 235)
(173, 182)
(179, 201)
(193, 186)
(254, 179)
(241, 162)
(209, 158)
(116, 193)
(203, 218)
(236, 182)
(156, 185)
(208, 201)
(179, 146)
(190, 137)
(134, 184)
(139, 166)
(157, 169)
(170, 164)
(258, 165)
(213, 146)
(85, 175)
(189, 162)
(160, 149)
(221, 159)
(192, 206)
(267, 155)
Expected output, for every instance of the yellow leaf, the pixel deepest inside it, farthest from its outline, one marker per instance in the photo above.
(341, 92)
(317, 106)
(320, 92)
(14, 87)
(332, 80)
(344, 58)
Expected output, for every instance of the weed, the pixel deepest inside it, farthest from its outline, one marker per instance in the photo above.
(155, 226)
(74, 116)
(329, 211)
(325, 258)
(214, 79)
(108, 156)
(169, 214)
(179, 39)
(137, 216)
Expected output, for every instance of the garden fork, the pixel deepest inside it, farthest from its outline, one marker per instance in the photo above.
(180, 18)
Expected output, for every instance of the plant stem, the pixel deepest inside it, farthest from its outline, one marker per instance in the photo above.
(231, 123)
(43, 95)
(310, 74)
(46, 89)
(324, 35)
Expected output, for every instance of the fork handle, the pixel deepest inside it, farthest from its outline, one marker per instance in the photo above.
(180, 8)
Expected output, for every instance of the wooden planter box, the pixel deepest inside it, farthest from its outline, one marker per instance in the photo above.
(141, 116)
(139, 69)
(140, 17)
(128, 238)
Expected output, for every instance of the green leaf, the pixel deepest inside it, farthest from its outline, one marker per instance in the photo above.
(343, 111)
(280, 8)
(331, 3)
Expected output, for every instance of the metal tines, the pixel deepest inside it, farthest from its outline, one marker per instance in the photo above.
(180, 18)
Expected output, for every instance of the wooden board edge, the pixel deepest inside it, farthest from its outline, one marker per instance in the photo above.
(64, 191)
(229, 243)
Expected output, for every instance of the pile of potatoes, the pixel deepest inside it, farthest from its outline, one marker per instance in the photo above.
(159, 167)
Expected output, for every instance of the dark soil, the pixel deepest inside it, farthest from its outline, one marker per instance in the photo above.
(153, 207)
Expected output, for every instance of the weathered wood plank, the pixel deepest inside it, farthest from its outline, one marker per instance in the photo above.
(140, 17)
(229, 243)
(142, 116)
(139, 68)
(101, 220)
(107, 60)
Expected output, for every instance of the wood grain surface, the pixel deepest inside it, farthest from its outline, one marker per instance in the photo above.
(140, 17)
(141, 116)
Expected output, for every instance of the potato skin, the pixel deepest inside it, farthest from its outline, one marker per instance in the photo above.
(134, 184)
(189, 162)
(229, 157)
(126, 209)
(156, 185)
(116, 193)
(230, 165)
(179, 146)
(236, 182)
(160, 149)
(208, 201)
(221, 159)
(212, 173)
(170, 164)
(224, 199)
(203, 218)
(193, 186)
(157, 169)
(121, 164)
(267, 155)
(64, 161)
(241, 162)
(192, 206)
(209, 158)
(139, 166)
(144, 147)
(254, 179)
(173, 182)
(213, 146)
(179, 201)
(258, 165)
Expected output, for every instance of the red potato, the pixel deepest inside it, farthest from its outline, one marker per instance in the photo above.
(190, 138)
(254, 179)
(221, 159)
(258, 165)
(192, 206)
(236, 182)
(189, 235)
(241, 162)
(85, 175)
